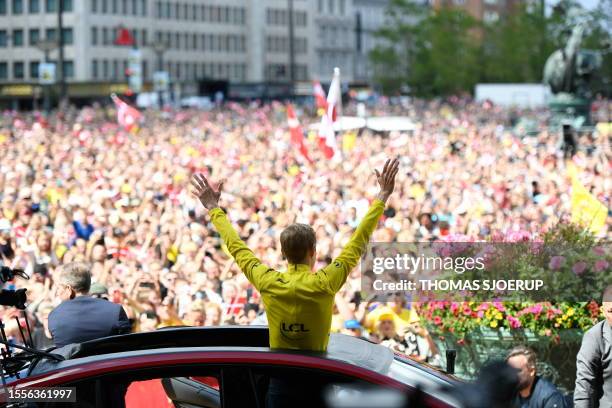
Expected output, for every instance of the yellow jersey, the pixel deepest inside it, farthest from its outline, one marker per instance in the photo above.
(298, 302)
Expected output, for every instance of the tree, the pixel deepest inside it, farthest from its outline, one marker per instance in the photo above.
(442, 52)
(432, 52)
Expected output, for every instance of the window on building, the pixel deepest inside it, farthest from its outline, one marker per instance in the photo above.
(177, 11)
(105, 69)
(144, 37)
(94, 6)
(2, 7)
(125, 69)
(67, 36)
(94, 69)
(105, 36)
(167, 13)
(68, 69)
(104, 6)
(67, 5)
(145, 70)
(94, 35)
(134, 8)
(17, 7)
(3, 70)
(18, 38)
(34, 36)
(490, 16)
(342, 6)
(115, 6)
(214, 14)
(143, 8)
(51, 6)
(34, 6)
(330, 6)
(51, 34)
(124, 8)
(34, 69)
(115, 72)
(3, 38)
(18, 70)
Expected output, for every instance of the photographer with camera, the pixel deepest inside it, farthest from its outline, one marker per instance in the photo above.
(81, 317)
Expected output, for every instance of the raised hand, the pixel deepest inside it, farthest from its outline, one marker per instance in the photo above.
(386, 179)
(204, 192)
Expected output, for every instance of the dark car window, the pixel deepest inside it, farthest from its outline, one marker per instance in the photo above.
(300, 387)
(167, 387)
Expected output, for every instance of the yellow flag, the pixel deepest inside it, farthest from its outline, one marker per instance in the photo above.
(587, 210)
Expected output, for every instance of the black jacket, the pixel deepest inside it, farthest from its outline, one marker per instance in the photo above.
(86, 318)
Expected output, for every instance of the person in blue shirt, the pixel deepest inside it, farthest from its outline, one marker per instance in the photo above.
(533, 391)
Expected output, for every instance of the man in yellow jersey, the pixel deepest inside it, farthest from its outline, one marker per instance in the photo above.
(299, 301)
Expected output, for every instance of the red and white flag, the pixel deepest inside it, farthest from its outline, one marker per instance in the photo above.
(327, 135)
(297, 136)
(319, 95)
(127, 116)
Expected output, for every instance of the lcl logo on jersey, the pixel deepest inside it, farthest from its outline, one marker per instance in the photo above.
(294, 328)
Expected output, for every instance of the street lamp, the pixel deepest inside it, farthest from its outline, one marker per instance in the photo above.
(159, 48)
(46, 46)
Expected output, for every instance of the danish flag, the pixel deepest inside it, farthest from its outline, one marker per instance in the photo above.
(127, 116)
(297, 136)
(319, 95)
(327, 135)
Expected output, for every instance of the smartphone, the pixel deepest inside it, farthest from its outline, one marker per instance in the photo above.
(147, 285)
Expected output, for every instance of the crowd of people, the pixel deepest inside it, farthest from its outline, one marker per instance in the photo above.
(75, 187)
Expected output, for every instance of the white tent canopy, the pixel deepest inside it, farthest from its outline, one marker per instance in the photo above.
(379, 124)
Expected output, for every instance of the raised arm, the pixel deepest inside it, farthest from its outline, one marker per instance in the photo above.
(338, 270)
(245, 258)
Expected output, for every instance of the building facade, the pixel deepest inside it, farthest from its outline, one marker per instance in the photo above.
(370, 16)
(488, 11)
(240, 41)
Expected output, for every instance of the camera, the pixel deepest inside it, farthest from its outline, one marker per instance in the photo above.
(14, 298)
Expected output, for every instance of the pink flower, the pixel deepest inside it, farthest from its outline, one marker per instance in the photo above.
(499, 306)
(556, 262)
(537, 308)
(599, 251)
(601, 265)
(480, 313)
(437, 320)
(514, 322)
(467, 311)
(579, 267)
